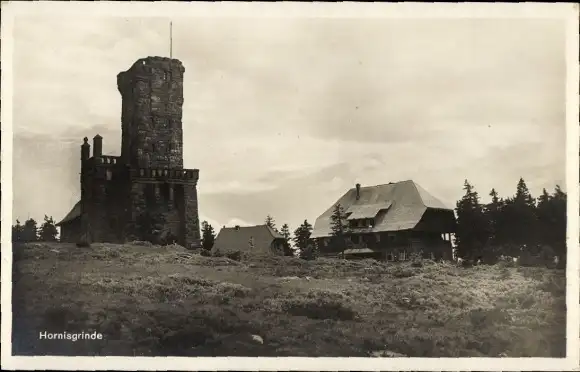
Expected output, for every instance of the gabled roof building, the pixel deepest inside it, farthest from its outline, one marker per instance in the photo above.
(251, 239)
(389, 221)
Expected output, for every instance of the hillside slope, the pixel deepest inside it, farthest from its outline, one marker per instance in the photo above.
(150, 300)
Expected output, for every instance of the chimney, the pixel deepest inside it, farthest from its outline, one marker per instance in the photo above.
(357, 191)
(97, 146)
(85, 149)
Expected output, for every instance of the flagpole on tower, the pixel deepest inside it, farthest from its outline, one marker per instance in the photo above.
(170, 39)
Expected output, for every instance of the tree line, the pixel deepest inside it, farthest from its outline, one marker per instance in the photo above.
(30, 232)
(517, 226)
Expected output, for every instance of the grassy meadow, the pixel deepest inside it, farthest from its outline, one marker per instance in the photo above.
(151, 301)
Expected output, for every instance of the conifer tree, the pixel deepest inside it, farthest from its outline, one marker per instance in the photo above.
(48, 231)
(472, 225)
(30, 231)
(496, 228)
(285, 232)
(270, 222)
(558, 206)
(207, 236)
(523, 219)
(17, 231)
(302, 240)
(338, 226)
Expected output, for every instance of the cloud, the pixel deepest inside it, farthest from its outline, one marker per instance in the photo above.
(282, 116)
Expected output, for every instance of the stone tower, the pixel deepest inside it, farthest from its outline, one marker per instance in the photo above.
(144, 194)
(152, 91)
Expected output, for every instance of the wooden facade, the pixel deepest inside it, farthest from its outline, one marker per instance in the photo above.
(390, 246)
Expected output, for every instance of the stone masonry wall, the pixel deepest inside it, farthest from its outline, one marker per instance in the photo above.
(103, 206)
(152, 91)
(150, 200)
(192, 231)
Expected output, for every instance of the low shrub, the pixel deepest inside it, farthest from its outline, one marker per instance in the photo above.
(236, 256)
(417, 263)
(400, 272)
(205, 253)
(482, 318)
(320, 308)
(506, 264)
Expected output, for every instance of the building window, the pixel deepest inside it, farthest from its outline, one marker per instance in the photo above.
(389, 257)
(355, 239)
(392, 237)
(109, 174)
(378, 237)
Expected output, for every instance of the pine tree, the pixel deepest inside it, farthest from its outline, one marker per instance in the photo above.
(558, 204)
(270, 222)
(472, 225)
(285, 232)
(495, 243)
(29, 231)
(545, 218)
(302, 240)
(17, 232)
(338, 226)
(523, 217)
(207, 236)
(48, 231)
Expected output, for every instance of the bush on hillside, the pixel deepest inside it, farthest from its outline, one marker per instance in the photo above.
(310, 252)
(205, 253)
(236, 255)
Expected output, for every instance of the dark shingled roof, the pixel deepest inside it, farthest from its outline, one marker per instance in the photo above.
(74, 213)
(395, 206)
(238, 239)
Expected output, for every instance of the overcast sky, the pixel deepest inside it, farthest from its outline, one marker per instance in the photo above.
(282, 116)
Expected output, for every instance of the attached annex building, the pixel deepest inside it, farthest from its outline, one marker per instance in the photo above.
(389, 222)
